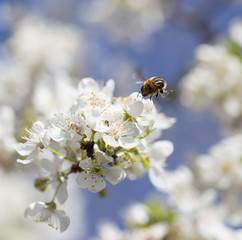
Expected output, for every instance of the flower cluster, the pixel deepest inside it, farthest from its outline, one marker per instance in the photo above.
(102, 139)
(221, 169)
(144, 16)
(215, 81)
(192, 207)
(29, 71)
(156, 221)
(43, 53)
(37, 77)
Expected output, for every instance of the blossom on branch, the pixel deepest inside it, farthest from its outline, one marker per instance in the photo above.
(103, 139)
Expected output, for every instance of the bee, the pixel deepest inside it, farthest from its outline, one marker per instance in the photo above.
(152, 86)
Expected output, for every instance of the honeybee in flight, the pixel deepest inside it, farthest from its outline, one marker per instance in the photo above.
(152, 86)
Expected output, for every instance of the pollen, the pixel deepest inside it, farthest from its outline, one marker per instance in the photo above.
(93, 186)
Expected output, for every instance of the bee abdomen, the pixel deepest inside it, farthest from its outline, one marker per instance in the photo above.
(158, 81)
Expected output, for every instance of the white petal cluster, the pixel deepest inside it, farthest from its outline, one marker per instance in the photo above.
(235, 31)
(32, 66)
(43, 213)
(149, 221)
(91, 177)
(42, 34)
(131, 20)
(13, 224)
(38, 65)
(202, 202)
(38, 138)
(215, 81)
(188, 211)
(221, 169)
(102, 139)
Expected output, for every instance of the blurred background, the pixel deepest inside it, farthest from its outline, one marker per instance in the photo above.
(47, 46)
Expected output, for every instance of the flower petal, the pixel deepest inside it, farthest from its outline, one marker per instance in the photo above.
(135, 109)
(46, 138)
(34, 208)
(86, 163)
(97, 184)
(110, 140)
(161, 149)
(47, 165)
(25, 149)
(56, 134)
(64, 220)
(84, 179)
(128, 142)
(62, 193)
(103, 158)
(114, 175)
(156, 173)
(30, 158)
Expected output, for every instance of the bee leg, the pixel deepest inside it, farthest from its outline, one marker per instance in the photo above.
(157, 95)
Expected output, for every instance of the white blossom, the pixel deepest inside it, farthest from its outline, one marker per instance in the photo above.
(38, 138)
(221, 169)
(52, 168)
(235, 31)
(14, 82)
(7, 119)
(101, 139)
(66, 127)
(159, 151)
(41, 212)
(13, 224)
(215, 83)
(136, 214)
(42, 52)
(143, 16)
(94, 171)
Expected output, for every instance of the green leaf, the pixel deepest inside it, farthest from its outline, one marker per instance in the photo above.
(234, 49)
(41, 183)
(101, 144)
(103, 193)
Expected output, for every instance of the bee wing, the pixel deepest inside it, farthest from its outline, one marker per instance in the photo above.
(139, 75)
(139, 81)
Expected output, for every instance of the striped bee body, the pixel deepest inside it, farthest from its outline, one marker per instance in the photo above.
(153, 86)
